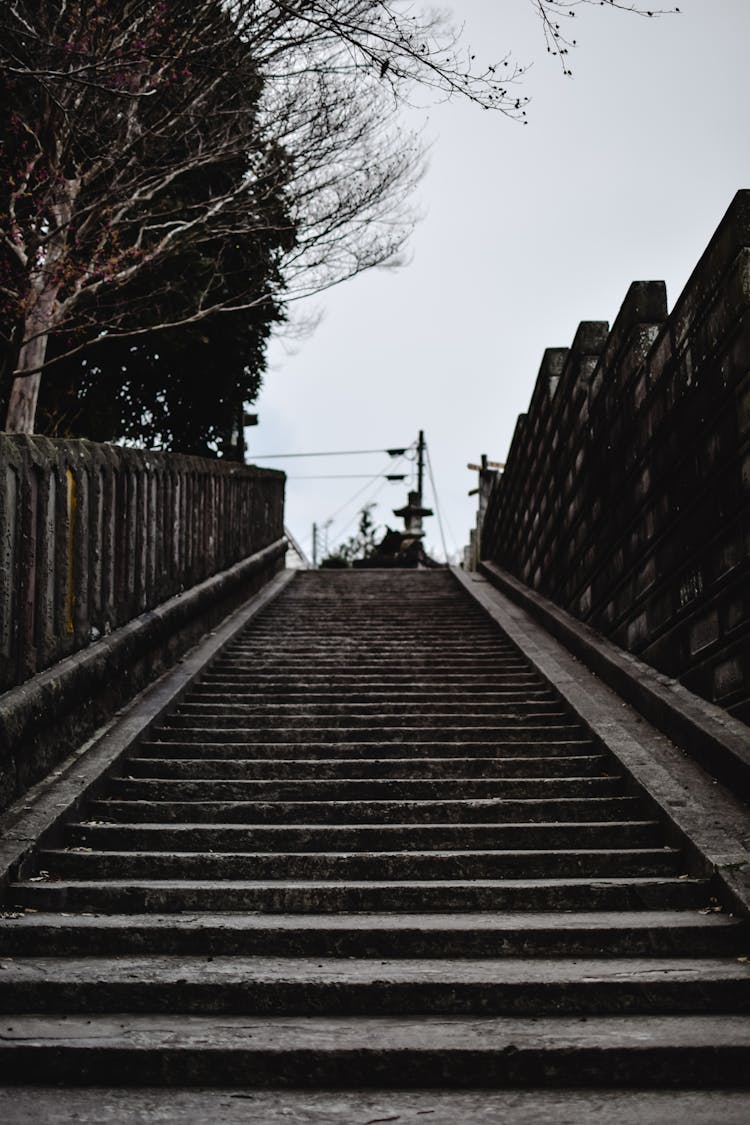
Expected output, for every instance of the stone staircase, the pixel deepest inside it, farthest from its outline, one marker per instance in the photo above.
(370, 848)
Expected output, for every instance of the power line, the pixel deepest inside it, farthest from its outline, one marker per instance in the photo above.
(437, 503)
(373, 480)
(399, 452)
(349, 476)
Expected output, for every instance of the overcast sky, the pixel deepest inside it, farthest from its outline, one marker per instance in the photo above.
(622, 174)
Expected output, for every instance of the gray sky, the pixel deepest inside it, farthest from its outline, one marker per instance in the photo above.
(622, 174)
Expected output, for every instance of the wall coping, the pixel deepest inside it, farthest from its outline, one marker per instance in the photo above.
(32, 704)
(714, 738)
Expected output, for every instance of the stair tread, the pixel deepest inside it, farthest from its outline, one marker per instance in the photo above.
(439, 972)
(388, 921)
(376, 1033)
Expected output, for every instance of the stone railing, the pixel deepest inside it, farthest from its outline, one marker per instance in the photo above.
(92, 536)
(626, 495)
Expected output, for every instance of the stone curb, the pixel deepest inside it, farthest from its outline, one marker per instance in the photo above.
(32, 821)
(715, 739)
(699, 815)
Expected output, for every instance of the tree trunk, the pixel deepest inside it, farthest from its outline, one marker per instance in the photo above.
(25, 390)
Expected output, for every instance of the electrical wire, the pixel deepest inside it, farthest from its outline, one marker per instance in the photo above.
(437, 502)
(397, 452)
(345, 528)
(336, 476)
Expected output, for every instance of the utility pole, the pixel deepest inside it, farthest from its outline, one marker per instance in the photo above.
(315, 546)
(420, 466)
(413, 511)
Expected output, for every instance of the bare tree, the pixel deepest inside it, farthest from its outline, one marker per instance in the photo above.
(137, 129)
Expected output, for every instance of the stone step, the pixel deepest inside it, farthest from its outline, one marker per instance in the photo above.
(113, 1105)
(321, 897)
(372, 838)
(678, 933)
(371, 789)
(531, 863)
(233, 716)
(346, 683)
(322, 751)
(358, 986)
(404, 669)
(385, 712)
(370, 768)
(208, 693)
(529, 810)
(386, 642)
(515, 732)
(383, 1052)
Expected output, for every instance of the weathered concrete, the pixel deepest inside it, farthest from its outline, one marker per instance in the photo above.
(367, 1107)
(251, 889)
(704, 818)
(44, 719)
(403, 1052)
(714, 738)
(58, 795)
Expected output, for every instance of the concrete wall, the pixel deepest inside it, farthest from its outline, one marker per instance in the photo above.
(113, 562)
(92, 535)
(626, 496)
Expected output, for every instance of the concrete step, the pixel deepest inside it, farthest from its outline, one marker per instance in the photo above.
(372, 838)
(678, 933)
(370, 847)
(383, 1052)
(329, 751)
(378, 768)
(348, 681)
(515, 732)
(530, 810)
(404, 669)
(531, 863)
(356, 986)
(191, 717)
(208, 693)
(371, 789)
(237, 1106)
(320, 896)
(382, 647)
(384, 712)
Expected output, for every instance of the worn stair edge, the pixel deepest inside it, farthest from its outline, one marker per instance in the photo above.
(642, 1052)
(699, 815)
(237, 1106)
(33, 821)
(624, 934)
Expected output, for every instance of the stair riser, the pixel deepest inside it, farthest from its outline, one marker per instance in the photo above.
(382, 838)
(458, 697)
(648, 1067)
(322, 751)
(373, 736)
(381, 712)
(156, 790)
(63, 940)
(357, 812)
(366, 769)
(389, 998)
(353, 898)
(378, 866)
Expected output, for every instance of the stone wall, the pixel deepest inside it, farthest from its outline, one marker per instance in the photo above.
(626, 496)
(91, 536)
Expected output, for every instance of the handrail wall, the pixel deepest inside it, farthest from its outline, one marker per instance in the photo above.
(92, 536)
